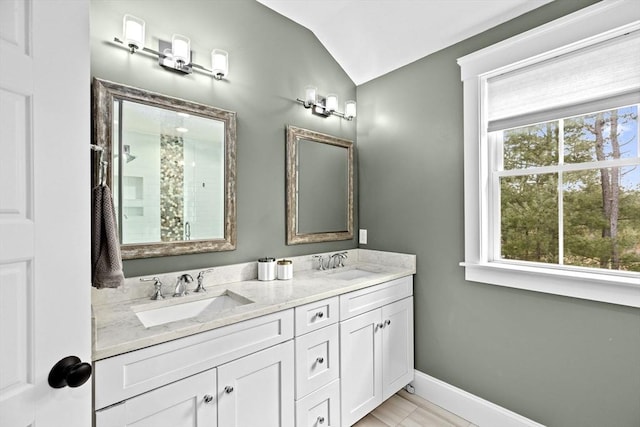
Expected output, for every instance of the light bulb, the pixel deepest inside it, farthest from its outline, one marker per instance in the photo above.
(310, 95)
(331, 104)
(219, 63)
(350, 109)
(181, 49)
(133, 32)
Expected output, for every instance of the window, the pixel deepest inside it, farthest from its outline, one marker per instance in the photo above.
(567, 192)
(552, 158)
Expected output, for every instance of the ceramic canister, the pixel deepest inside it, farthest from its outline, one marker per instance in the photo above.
(266, 269)
(285, 269)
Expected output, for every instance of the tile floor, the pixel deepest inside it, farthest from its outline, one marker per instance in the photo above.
(408, 410)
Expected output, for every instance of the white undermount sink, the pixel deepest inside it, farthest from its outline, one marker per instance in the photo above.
(153, 315)
(351, 274)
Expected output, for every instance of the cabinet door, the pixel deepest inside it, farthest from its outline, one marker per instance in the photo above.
(360, 365)
(257, 390)
(190, 402)
(397, 346)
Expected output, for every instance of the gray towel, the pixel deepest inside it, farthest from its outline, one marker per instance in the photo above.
(106, 263)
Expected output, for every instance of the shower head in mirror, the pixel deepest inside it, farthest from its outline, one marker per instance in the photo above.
(127, 153)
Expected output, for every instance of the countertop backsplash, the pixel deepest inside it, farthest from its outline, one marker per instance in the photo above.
(133, 288)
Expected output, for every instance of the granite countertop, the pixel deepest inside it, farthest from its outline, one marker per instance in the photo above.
(117, 329)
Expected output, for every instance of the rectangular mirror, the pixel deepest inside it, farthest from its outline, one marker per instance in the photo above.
(319, 187)
(171, 170)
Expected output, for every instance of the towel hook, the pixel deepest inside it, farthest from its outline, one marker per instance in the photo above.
(102, 172)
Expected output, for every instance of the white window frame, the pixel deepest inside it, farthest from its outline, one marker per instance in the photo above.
(604, 20)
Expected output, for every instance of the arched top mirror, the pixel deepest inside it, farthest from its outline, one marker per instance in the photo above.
(172, 170)
(319, 187)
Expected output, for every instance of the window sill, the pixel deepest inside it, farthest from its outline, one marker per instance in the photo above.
(609, 288)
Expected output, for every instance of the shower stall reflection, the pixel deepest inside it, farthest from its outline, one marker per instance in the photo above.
(174, 189)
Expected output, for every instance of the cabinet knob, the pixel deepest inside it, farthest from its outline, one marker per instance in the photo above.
(228, 389)
(320, 359)
(208, 398)
(320, 314)
(321, 420)
(387, 322)
(380, 325)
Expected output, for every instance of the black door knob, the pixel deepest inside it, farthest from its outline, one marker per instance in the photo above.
(69, 371)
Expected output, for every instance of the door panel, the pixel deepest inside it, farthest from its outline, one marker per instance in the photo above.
(257, 390)
(16, 219)
(44, 209)
(179, 404)
(360, 366)
(397, 346)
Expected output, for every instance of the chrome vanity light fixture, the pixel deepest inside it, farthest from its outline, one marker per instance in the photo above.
(175, 55)
(326, 106)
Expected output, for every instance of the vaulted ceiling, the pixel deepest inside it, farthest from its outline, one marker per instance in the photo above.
(369, 38)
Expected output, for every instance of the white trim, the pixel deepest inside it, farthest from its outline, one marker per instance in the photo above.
(466, 405)
(612, 288)
(594, 23)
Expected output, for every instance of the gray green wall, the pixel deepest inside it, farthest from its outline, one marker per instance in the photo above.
(271, 61)
(560, 361)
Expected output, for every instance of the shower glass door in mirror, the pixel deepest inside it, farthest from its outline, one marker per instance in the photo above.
(172, 183)
(172, 171)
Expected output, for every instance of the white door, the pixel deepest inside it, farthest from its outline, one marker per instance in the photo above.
(360, 365)
(397, 346)
(189, 402)
(44, 209)
(257, 390)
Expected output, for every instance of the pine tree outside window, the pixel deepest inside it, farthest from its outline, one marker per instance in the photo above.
(568, 191)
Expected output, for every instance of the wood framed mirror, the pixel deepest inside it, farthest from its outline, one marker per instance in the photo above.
(319, 187)
(172, 170)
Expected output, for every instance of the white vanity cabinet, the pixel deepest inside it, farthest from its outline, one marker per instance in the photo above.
(323, 364)
(255, 390)
(376, 346)
(184, 382)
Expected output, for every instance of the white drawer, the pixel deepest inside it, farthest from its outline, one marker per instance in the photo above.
(363, 300)
(317, 359)
(130, 374)
(321, 408)
(316, 315)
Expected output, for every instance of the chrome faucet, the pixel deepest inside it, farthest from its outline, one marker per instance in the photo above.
(320, 259)
(157, 287)
(200, 287)
(337, 260)
(181, 285)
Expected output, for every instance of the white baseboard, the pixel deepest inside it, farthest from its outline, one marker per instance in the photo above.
(466, 405)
